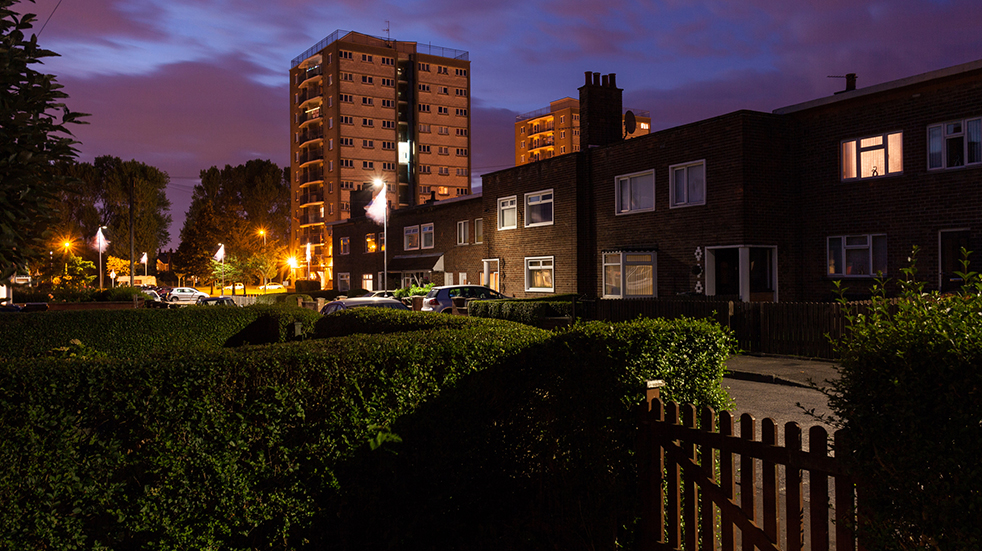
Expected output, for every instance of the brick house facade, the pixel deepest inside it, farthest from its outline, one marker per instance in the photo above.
(748, 205)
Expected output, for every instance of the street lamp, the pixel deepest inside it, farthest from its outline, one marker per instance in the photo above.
(262, 233)
(292, 262)
(100, 243)
(380, 184)
(68, 251)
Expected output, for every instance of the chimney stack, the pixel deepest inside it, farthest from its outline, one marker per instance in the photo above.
(601, 103)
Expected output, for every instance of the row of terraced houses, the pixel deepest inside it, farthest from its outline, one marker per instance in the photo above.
(751, 206)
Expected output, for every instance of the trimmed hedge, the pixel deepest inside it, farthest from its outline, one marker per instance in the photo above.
(529, 311)
(138, 332)
(455, 433)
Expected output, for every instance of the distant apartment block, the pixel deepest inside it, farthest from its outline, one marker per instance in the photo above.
(365, 108)
(555, 130)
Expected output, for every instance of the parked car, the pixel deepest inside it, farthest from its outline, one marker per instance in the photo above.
(381, 294)
(271, 287)
(185, 294)
(216, 301)
(238, 286)
(440, 299)
(362, 302)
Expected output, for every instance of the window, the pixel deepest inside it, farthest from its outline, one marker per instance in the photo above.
(348, 77)
(629, 274)
(461, 172)
(347, 120)
(508, 213)
(424, 67)
(441, 110)
(463, 132)
(461, 92)
(388, 82)
(461, 152)
(347, 141)
(873, 156)
(388, 166)
(857, 255)
(424, 169)
(538, 209)
(347, 163)
(443, 190)
(347, 184)
(426, 239)
(388, 103)
(444, 130)
(461, 112)
(388, 61)
(366, 57)
(390, 146)
(444, 171)
(367, 283)
(367, 122)
(462, 72)
(330, 144)
(365, 79)
(688, 184)
(424, 149)
(444, 150)
(424, 108)
(442, 70)
(539, 274)
(424, 87)
(479, 230)
(635, 192)
(443, 90)
(388, 124)
(424, 128)
(954, 144)
(344, 54)
(344, 282)
(368, 143)
(344, 243)
(371, 245)
(367, 165)
(410, 238)
(463, 232)
(367, 101)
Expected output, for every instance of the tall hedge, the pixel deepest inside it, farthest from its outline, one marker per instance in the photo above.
(449, 433)
(910, 394)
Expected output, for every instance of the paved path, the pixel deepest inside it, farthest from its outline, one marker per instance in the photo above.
(781, 370)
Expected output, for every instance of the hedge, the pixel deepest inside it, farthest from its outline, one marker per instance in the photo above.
(529, 311)
(126, 333)
(452, 433)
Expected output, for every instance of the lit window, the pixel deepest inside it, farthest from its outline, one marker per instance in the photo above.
(344, 244)
(410, 236)
(873, 156)
(635, 192)
(371, 245)
(857, 255)
(367, 283)
(954, 144)
(539, 274)
(508, 213)
(629, 274)
(538, 209)
(688, 184)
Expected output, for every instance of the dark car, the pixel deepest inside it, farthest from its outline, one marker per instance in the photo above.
(216, 301)
(440, 299)
(362, 302)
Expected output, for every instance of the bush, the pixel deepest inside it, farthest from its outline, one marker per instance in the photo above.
(307, 285)
(125, 333)
(386, 320)
(289, 299)
(530, 311)
(909, 395)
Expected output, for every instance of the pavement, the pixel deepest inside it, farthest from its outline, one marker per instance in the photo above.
(791, 371)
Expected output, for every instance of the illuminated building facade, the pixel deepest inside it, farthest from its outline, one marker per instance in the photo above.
(364, 108)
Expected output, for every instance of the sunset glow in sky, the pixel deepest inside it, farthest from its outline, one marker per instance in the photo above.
(184, 85)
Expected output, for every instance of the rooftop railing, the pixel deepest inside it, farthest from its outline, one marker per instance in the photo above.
(357, 38)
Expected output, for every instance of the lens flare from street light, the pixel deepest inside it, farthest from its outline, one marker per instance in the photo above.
(292, 262)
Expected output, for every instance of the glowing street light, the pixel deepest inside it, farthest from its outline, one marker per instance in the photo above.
(100, 243)
(262, 233)
(381, 203)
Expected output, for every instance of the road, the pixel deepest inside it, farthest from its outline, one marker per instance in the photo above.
(776, 401)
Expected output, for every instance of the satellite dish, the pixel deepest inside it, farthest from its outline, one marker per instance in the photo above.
(630, 123)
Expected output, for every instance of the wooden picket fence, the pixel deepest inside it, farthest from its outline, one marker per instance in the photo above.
(783, 328)
(690, 470)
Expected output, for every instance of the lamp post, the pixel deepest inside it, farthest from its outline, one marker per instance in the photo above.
(100, 243)
(292, 262)
(379, 183)
(68, 250)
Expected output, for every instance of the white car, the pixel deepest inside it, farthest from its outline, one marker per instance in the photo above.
(238, 286)
(186, 294)
(271, 287)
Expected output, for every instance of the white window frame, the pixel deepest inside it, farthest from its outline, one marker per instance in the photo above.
(687, 201)
(540, 263)
(463, 232)
(367, 282)
(410, 233)
(623, 261)
(426, 233)
(344, 282)
(852, 155)
(507, 204)
(536, 199)
(872, 243)
(629, 179)
(943, 132)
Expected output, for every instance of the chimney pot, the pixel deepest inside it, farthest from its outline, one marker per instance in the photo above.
(605, 82)
(596, 79)
(587, 74)
(613, 80)
(850, 81)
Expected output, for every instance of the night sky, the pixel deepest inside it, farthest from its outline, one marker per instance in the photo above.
(184, 85)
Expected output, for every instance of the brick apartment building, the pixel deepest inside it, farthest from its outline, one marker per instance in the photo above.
(748, 205)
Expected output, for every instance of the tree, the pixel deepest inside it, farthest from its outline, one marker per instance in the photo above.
(34, 136)
(239, 201)
(199, 241)
(118, 265)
